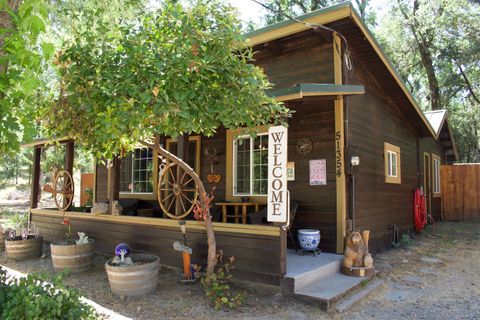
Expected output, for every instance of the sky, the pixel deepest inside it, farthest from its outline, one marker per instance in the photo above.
(250, 10)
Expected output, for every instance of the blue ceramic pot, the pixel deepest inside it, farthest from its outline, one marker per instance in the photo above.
(309, 239)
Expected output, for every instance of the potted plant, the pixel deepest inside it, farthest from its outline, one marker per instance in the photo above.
(27, 245)
(71, 254)
(132, 275)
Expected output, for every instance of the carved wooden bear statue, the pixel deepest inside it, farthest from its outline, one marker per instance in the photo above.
(356, 251)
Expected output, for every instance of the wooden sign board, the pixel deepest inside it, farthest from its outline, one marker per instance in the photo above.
(277, 207)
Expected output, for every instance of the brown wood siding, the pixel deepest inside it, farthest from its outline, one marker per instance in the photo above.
(372, 120)
(429, 145)
(303, 58)
(101, 181)
(314, 119)
(257, 257)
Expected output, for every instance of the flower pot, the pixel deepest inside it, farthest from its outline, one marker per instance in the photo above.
(309, 239)
(137, 280)
(18, 249)
(74, 257)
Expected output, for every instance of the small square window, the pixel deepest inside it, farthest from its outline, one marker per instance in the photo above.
(392, 163)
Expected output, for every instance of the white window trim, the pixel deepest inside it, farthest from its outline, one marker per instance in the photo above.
(234, 167)
(132, 177)
(388, 165)
(436, 175)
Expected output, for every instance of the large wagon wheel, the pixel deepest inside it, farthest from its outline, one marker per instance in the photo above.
(63, 190)
(177, 191)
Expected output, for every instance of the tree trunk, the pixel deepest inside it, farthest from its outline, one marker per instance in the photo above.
(212, 245)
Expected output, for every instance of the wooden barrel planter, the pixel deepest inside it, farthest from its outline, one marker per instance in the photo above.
(18, 249)
(74, 257)
(137, 280)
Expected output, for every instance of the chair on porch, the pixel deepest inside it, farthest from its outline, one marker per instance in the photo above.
(260, 217)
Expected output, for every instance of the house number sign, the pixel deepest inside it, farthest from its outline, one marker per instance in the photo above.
(338, 154)
(277, 208)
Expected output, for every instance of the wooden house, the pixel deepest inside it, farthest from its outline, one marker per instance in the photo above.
(349, 104)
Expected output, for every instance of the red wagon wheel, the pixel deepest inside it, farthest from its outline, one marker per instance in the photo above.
(63, 190)
(177, 191)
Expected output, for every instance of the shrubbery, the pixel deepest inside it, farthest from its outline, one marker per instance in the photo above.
(39, 297)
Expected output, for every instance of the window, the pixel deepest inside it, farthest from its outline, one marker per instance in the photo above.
(136, 172)
(436, 175)
(250, 158)
(392, 163)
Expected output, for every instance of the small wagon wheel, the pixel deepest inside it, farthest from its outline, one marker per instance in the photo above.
(177, 191)
(63, 190)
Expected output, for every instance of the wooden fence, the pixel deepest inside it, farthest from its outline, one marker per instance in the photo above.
(460, 186)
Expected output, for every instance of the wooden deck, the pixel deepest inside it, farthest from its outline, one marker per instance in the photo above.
(259, 251)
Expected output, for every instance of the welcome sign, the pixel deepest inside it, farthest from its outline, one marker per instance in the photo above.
(277, 174)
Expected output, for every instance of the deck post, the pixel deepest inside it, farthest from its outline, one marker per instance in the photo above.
(182, 153)
(34, 196)
(69, 155)
(339, 147)
(114, 183)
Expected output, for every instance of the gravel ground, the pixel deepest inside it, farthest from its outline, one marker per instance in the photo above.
(435, 276)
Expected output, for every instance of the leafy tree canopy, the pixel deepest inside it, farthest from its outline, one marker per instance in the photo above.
(179, 69)
(22, 61)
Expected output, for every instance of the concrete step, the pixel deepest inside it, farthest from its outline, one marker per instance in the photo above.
(360, 294)
(307, 270)
(330, 290)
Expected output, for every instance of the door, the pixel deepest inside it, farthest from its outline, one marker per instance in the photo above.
(427, 181)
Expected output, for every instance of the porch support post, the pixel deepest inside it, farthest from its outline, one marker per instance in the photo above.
(339, 148)
(114, 182)
(69, 155)
(182, 153)
(35, 192)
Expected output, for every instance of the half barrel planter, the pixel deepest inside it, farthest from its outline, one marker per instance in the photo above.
(136, 280)
(74, 257)
(18, 249)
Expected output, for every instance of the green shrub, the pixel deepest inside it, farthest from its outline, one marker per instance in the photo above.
(33, 297)
(217, 286)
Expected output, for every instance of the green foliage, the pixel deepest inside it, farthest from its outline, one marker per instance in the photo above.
(14, 220)
(404, 242)
(299, 7)
(22, 57)
(217, 286)
(172, 71)
(35, 298)
(436, 48)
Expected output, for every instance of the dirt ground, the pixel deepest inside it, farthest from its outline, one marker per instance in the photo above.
(434, 276)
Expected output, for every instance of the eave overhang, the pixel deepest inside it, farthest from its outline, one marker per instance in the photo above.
(315, 90)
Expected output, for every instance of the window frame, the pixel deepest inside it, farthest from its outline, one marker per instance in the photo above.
(132, 154)
(389, 149)
(436, 177)
(234, 166)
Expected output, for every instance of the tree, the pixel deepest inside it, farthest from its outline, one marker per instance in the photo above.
(435, 45)
(172, 71)
(299, 7)
(22, 56)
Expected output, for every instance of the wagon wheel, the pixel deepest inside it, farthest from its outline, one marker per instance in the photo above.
(63, 190)
(177, 191)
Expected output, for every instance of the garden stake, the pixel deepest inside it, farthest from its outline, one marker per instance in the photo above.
(187, 275)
